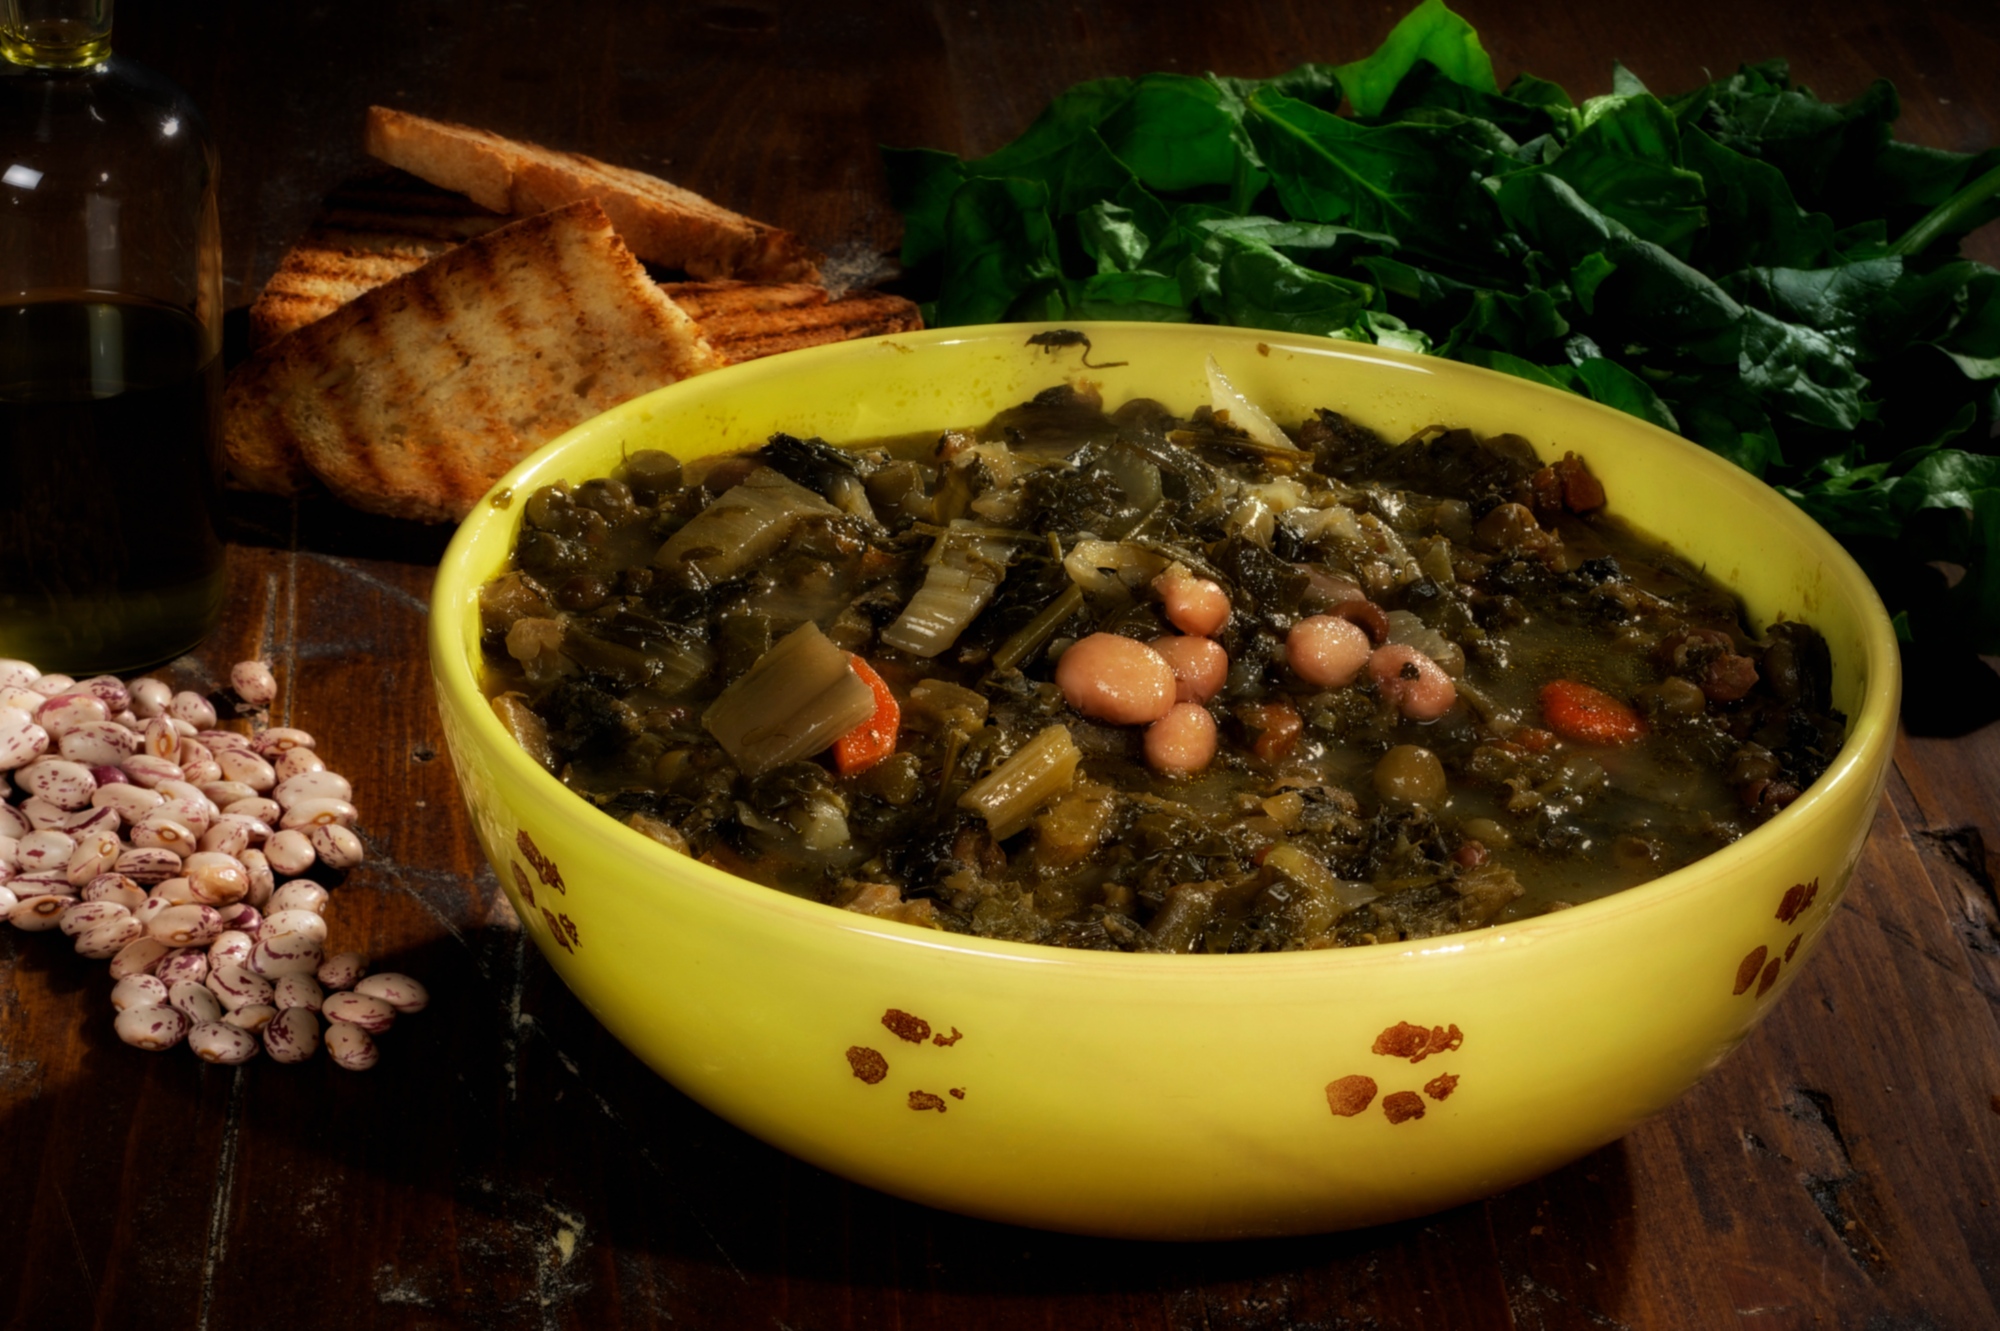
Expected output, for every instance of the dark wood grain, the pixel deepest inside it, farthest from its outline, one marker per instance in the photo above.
(509, 1165)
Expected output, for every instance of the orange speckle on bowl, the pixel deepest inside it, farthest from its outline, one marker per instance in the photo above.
(1402, 1106)
(1746, 971)
(907, 1027)
(922, 1100)
(868, 1065)
(1442, 1085)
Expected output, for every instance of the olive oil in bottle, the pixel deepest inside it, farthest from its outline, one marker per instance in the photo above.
(107, 489)
(110, 333)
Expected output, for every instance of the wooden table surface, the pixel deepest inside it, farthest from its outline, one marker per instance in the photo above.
(509, 1165)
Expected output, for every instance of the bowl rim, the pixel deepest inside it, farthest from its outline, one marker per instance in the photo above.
(1871, 728)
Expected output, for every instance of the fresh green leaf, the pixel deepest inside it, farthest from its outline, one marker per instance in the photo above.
(1626, 164)
(1752, 217)
(921, 181)
(999, 247)
(1428, 32)
(1258, 287)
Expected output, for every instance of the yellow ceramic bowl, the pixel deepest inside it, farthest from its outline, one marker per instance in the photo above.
(1173, 1096)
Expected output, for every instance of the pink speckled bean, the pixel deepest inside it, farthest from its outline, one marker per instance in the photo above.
(293, 1035)
(50, 685)
(297, 762)
(104, 941)
(397, 990)
(280, 740)
(138, 957)
(290, 852)
(193, 1000)
(160, 740)
(65, 784)
(290, 991)
(39, 913)
(238, 987)
(241, 765)
(231, 948)
(187, 963)
(373, 1015)
(21, 744)
(252, 1017)
(318, 812)
(146, 770)
(59, 716)
(159, 831)
(86, 914)
(218, 879)
(337, 847)
(219, 1042)
(185, 926)
(192, 708)
(98, 744)
(16, 674)
(350, 1047)
(95, 853)
(254, 683)
(149, 696)
(342, 970)
(321, 785)
(285, 954)
(304, 894)
(151, 1027)
(130, 801)
(148, 866)
(138, 991)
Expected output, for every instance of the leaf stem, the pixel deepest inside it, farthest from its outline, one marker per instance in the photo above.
(1941, 219)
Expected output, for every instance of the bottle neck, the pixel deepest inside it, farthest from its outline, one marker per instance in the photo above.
(55, 34)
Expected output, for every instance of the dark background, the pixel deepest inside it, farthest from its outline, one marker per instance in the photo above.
(508, 1165)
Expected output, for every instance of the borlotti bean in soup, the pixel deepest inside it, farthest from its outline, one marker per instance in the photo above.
(1125, 680)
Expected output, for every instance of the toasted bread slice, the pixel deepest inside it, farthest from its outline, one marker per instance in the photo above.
(415, 397)
(663, 223)
(746, 320)
(370, 232)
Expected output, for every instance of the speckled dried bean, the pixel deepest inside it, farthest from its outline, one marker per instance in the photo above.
(315, 812)
(218, 879)
(192, 708)
(20, 744)
(17, 674)
(227, 835)
(130, 801)
(148, 865)
(254, 683)
(86, 821)
(51, 684)
(13, 822)
(281, 740)
(146, 770)
(160, 740)
(350, 1047)
(166, 833)
(337, 847)
(219, 1042)
(247, 768)
(7, 900)
(290, 991)
(138, 957)
(107, 689)
(41, 813)
(301, 895)
(290, 852)
(43, 849)
(104, 941)
(231, 948)
(149, 696)
(237, 986)
(293, 1035)
(297, 762)
(244, 918)
(98, 744)
(262, 880)
(138, 991)
(65, 784)
(373, 1015)
(222, 794)
(342, 970)
(397, 990)
(187, 963)
(175, 892)
(151, 1027)
(95, 853)
(253, 1018)
(261, 807)
(218, 740)
(36, 914)
(287, 954)
(84, 914)
(59, 716)
(114, 887)
(306, 924)
(305, 786)
(192, 999)
(185, 926)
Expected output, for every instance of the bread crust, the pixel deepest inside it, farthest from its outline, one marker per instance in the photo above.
(412, 399)
(663, 223)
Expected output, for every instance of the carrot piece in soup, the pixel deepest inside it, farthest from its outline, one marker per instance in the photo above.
(874, 739)
(1589, 716)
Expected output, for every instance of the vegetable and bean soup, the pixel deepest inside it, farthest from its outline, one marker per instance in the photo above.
(1123, 680)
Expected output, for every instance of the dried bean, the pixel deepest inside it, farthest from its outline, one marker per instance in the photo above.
(225, 793)
(151, 1027)
(115, 887)
(293, 1035)
(42, 850)
(231, 948)
(307, 924)
(290, 991)
(373, 1015)
(219, 740)
(149, 696)
(35, 914)
(245, 918)
(50, 685)
(398, 991)
(261, 807)
(185, 926)
(84, 914)
(20, 744)
(16, 674)
(160, 740)
(238, 987)
(94, 855)
(262, 880)
(304, 895)
(187, 963)
(253, 683)
(98, 744)
(295, 762)
(312, 786)
(285, 954)
(105, 941)
(350, 1047)
(247, 768)
(337, 847)
(219, 1042)
(138, 957)
(318, 812)
(218, 879)
(60, 716)
(138, 991)
(342, 970)
(107, 689)
(290, 852)
(192, 999)
(192, 708)
(253, 1017)
(13, 822)
(146, 770)
(41, 813)
(148, 865)
(131, 802)
(65, 784)
(86, 821)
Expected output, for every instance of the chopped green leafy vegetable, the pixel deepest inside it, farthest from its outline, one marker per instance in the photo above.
(1774, 276)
